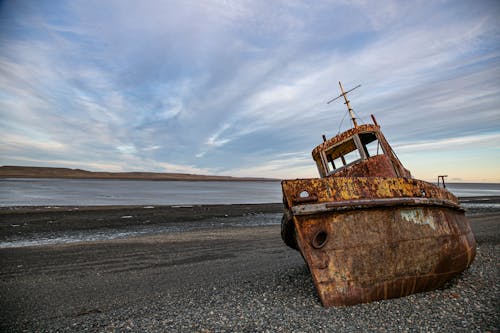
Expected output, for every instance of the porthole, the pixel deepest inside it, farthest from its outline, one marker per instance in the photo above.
(319, 240)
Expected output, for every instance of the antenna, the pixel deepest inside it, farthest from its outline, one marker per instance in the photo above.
(344, 94)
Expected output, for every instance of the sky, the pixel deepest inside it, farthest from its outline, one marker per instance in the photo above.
(240, 87)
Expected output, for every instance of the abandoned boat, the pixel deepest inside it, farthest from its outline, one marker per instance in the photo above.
(366, 229)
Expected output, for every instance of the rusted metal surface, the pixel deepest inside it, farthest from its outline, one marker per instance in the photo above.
(441, 180)
(367, 239)
(366, 229)
(377, 166)
(334, 189)
(383, 253)
(342, 137)
(384, 165)
(370, 203)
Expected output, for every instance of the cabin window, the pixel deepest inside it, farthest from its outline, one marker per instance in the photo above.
(351, 157)
(371, 144)
(342, 155)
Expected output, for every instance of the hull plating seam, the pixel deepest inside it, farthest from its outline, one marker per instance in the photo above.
(309, 209)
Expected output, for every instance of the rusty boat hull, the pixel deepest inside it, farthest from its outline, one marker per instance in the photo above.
(367, 230)
(373, 238)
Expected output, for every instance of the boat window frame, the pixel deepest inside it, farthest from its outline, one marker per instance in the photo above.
(380, 146)
(360, 152)
(361, 149)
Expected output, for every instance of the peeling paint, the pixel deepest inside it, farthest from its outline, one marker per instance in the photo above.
(388, 235)
(417, 216)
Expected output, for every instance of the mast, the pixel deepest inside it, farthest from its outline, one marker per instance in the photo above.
(348, 105)
(347, 102)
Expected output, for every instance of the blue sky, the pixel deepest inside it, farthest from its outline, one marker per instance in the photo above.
(240, 87)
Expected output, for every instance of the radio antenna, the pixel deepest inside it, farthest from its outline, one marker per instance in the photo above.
(347, 102)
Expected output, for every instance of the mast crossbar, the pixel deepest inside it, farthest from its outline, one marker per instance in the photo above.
(347, 102)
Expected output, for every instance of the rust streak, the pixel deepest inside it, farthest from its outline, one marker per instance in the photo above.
(369, 231)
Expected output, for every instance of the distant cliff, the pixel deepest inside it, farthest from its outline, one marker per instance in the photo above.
(43, 172)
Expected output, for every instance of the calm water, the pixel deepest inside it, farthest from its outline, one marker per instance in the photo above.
(70, 192)
(473, 189)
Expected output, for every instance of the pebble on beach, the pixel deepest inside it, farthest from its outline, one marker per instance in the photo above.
(224, 279)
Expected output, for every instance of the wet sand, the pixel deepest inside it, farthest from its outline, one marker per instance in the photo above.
(33, 220)
(216, 279)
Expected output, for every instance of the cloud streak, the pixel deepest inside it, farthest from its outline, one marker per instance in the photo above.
(240, 88)
(451, 143)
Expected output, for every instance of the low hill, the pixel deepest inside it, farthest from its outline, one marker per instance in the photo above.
(45, 172)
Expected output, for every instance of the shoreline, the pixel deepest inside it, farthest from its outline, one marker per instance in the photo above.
(495, 199)
(216, 279)
(41, 226)
(49, 225)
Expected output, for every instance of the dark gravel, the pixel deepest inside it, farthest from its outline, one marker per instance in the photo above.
(226, 280)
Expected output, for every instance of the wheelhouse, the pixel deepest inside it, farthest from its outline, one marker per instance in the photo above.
(360, 152)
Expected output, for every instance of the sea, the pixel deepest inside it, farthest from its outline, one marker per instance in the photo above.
(93, 192)
(52, 193)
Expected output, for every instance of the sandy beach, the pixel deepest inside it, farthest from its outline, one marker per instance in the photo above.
(210, 273)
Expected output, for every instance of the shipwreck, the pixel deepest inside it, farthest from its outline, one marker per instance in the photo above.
(366, 229)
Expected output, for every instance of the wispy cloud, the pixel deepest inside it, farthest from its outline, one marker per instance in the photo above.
(276, 167)
(452, 143)
(240, 87)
